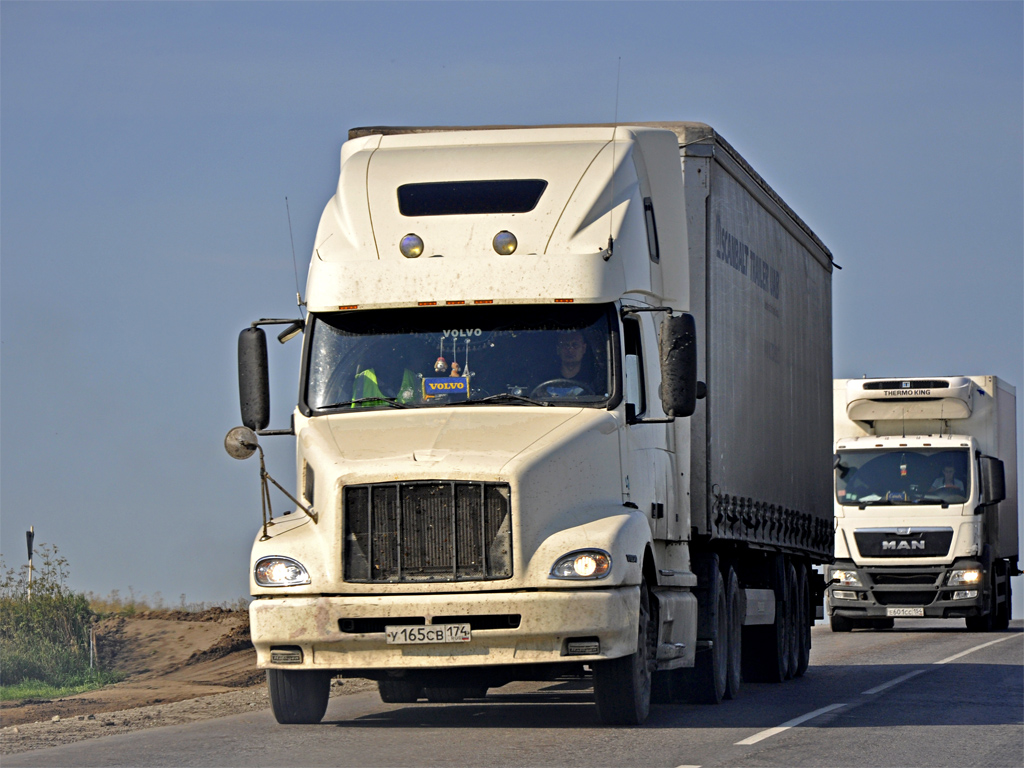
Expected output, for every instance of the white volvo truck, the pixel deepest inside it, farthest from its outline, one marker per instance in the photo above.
(563, 410)
(926, 501)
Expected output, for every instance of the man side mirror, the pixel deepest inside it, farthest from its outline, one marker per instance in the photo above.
(992, 475)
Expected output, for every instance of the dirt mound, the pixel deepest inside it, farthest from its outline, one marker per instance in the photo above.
(168, 656)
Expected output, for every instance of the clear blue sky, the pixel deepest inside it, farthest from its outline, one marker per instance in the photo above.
(146, 150)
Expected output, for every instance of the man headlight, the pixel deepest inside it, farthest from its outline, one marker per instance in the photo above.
(846, 578)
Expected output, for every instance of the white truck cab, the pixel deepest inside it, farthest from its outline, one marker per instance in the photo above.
(507, 466)
(925, 495)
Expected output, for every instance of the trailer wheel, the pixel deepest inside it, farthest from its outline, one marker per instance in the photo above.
(622, 687)
(793, 615)
(399, 691)
(803, 621)
(298, 696)
(734, 634)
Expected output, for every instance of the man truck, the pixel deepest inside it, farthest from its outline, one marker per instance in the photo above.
(563, 411)
(925, 500)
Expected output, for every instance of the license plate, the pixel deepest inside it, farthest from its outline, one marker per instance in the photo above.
(904, 611)
(432, 633)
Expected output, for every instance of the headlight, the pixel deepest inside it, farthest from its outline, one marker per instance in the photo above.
(280, 572)
(582, 564)
(968, 576)
(846, 578)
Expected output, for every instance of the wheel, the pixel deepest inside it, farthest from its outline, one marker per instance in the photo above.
(622, 687)
(541, 390)
(766, 647)
(840, 623)
(706, 683)
(298, 696)
(398, 691)
(1003, 613)
(804, 621)
(986, 623)
(734, 632)
(792, 624)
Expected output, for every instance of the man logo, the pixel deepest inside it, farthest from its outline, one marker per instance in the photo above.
(902, 545)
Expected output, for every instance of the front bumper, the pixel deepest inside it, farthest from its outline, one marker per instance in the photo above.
(345, 633)
(886, 591)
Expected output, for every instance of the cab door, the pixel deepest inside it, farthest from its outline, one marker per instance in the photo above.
(647, 458)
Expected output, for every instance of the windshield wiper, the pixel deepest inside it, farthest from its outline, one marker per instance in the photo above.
(934, 500)
(509, 397)
(393, 402)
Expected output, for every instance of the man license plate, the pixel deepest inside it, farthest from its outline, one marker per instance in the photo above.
(423, 635)
(896, 612)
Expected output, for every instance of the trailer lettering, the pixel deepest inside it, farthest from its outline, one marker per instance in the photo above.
(744, 260)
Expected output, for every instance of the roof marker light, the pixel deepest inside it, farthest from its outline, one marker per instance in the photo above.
(411, 246)
(505, 243)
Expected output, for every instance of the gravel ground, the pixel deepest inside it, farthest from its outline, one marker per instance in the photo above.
(68, 730)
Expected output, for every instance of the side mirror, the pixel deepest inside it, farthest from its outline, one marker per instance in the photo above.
(679, 385)
(241, 443)
(992, 475)
(253, 378)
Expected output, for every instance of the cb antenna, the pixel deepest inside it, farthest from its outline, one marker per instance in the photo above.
(295, 264)
(615, 124)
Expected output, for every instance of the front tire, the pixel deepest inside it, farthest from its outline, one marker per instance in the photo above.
(298, 697)
(622, 687)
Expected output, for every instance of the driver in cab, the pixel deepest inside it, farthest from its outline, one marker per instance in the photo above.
(574, 372)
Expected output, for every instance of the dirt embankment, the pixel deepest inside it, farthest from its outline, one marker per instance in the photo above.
(180, 667)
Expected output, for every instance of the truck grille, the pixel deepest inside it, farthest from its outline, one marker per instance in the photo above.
(427, 531)
(920, 542)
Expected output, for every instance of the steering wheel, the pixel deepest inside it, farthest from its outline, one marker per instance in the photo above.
(541, 389)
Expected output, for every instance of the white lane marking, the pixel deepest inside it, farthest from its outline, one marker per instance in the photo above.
(975, 648)
(787, 725)
(769, 732)
(897, 681)
(954, 657)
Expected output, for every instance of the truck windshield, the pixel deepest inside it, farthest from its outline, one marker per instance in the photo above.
(903, 476)
(428, 357)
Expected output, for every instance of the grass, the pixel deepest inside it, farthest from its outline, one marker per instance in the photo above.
(44, 638)
(44, 634)
(33, 689)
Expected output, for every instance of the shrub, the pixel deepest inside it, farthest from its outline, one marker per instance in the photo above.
(45, 637)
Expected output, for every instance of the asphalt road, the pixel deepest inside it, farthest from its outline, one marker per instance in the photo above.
(928, 693)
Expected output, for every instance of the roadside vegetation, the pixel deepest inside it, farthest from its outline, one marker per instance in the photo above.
(44, 639)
